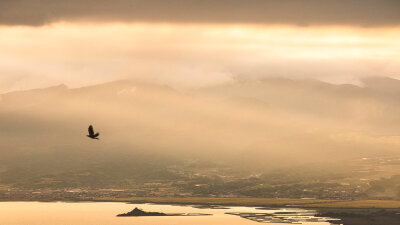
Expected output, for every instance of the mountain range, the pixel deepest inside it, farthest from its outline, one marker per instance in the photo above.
(265, 124)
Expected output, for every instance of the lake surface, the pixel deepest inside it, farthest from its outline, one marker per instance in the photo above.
(98, 213)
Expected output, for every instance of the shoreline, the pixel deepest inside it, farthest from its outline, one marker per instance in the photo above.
(249, 202)
(264, 202)
(358, 212)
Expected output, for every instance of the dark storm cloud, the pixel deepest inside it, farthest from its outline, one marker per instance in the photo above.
(297, 12)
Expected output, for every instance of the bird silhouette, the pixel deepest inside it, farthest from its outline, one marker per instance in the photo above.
(92, 134)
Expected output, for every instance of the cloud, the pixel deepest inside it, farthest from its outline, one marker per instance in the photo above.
(299, 12)
(185, 56)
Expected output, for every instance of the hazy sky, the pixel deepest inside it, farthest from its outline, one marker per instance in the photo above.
(192, 43)
(322, 12)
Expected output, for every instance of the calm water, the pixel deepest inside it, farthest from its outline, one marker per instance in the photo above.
(61, 213)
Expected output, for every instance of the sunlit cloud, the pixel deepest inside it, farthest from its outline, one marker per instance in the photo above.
(191, 55)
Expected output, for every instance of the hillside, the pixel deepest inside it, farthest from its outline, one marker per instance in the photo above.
(153, 133)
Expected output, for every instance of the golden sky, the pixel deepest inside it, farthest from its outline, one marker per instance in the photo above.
(192, 54)
(195, 43)
(200, 43)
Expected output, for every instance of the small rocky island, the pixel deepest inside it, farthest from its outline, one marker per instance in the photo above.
(139, 212)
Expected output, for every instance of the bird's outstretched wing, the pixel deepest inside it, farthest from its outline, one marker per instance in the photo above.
(96, 135)
(91, 132)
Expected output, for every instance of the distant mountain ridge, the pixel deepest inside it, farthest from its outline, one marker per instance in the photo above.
(269, 123)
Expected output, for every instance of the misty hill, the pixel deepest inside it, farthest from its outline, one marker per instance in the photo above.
(382, 85)
(375, 103)
(145, 128)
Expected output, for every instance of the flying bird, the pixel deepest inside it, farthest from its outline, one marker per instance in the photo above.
(92, 134)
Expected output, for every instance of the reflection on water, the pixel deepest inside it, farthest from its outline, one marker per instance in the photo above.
(94, 213)
(290, 216)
